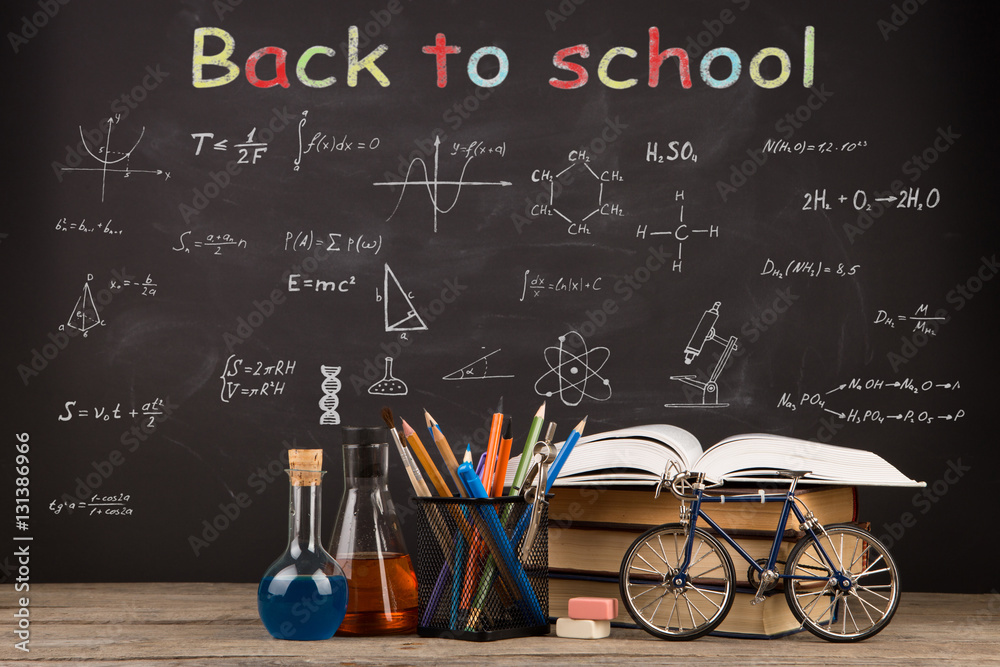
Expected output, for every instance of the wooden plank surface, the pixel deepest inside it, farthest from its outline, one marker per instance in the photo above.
(215, 624)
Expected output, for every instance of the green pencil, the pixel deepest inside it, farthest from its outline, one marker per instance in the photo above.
(534, 431)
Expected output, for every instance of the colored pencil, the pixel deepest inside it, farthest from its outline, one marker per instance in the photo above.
(503, 457)
(492, 447)
(534, 431)
(564, 453)
(444, 449)
(425, 460)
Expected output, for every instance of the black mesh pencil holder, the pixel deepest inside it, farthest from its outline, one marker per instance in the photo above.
(472, 580)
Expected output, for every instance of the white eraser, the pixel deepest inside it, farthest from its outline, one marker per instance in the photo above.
(572, 628)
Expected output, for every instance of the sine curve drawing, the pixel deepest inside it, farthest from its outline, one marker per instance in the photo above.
(433, 183)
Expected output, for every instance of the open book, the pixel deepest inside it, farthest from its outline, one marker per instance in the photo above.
(639, 454)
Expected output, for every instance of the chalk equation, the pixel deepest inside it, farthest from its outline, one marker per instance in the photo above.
(144, 287)
(783, 146)
(83, 227)
(536, 284)
(673, 151)
(244, 379)
(807, 269)
(147, 413)
(324, 142)
(305, 240)
(921, 320)
(299, 283)
(248, 151)
(215, 243)
(97, 505)
(831, 401)
(913, 199)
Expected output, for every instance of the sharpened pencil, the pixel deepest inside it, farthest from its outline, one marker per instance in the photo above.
(425, 460)
(448, 456)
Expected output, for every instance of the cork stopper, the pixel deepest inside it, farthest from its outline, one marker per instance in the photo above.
(305, 466)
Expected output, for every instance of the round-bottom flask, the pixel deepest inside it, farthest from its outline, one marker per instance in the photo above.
(303, 594)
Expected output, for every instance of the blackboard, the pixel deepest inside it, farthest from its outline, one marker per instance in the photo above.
(198, 277)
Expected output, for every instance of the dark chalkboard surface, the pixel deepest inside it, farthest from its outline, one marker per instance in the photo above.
(198, 277)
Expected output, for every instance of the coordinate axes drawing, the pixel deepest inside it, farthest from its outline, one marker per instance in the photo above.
(113, 165)
(433, 184)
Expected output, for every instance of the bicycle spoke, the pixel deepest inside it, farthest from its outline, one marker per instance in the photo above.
(651, 588)
(871, 622)
(662, 553)
(707, 599)
(858, 613)
(656, 599)
(672, 609)
(866, 602)
(816, 560)
(639, 556)
(701, 609)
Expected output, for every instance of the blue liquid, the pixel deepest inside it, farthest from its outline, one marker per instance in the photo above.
(302, 607)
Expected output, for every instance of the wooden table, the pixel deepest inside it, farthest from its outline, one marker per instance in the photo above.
(215, 624)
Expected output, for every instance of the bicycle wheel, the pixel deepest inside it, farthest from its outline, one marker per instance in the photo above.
(666, 602)
(859, 590)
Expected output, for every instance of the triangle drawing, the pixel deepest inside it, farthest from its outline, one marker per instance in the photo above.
(477, 370)
(410, 320)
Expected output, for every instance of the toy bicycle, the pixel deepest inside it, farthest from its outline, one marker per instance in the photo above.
(678, 581)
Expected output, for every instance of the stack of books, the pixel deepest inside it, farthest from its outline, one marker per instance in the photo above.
(604, 499)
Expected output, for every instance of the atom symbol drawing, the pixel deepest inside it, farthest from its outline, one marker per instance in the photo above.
(571, 367)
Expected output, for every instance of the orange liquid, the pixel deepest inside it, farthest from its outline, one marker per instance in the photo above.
(382, 595)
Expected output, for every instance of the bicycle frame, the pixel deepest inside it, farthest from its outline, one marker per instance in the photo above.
(789, 507)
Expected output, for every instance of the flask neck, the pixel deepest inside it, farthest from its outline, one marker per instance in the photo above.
(304, 506)
(365, 465)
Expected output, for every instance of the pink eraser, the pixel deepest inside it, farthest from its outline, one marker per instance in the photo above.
(593, 609)
(573, 628)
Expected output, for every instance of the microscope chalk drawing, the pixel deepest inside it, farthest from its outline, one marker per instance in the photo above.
(703, 334)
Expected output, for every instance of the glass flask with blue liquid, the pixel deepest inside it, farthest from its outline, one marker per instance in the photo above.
(303, 594)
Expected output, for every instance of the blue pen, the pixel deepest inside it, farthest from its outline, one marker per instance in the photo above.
(496, 535)
(564, 453)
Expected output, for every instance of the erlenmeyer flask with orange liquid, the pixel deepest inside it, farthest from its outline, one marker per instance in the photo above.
(368, 543)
